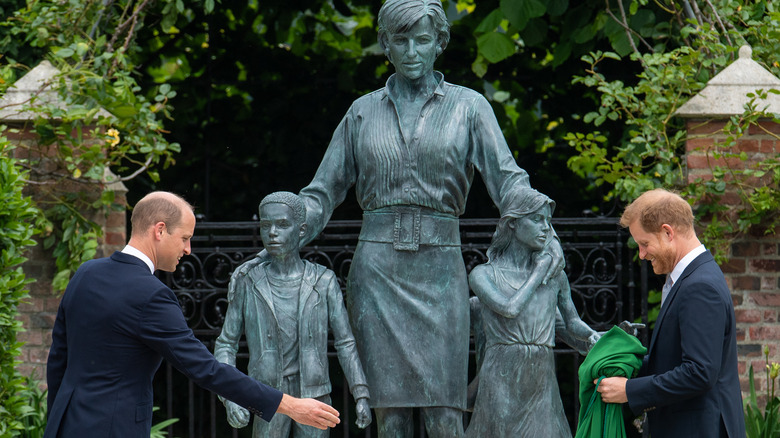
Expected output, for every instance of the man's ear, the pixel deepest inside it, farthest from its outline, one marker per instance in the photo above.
(668, 231)
(303, 230)
(159, 229)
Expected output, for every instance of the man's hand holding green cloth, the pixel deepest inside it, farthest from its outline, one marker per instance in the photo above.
(616, 354)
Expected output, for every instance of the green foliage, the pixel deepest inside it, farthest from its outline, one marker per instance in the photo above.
(764, 424)
(645, 153)
(74, 241)
(654, 307)
(524, 25)
(34, 415)
(106, 121)
(17, 213)
(648, 154)
(158, 429)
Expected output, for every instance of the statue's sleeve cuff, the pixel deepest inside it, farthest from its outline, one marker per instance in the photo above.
(360, 391)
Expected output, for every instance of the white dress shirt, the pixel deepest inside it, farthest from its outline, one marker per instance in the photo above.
(137, 253)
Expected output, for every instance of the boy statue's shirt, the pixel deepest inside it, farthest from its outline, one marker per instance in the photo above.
(286, 295)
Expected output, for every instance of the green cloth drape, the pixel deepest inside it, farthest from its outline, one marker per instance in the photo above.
(616, 354)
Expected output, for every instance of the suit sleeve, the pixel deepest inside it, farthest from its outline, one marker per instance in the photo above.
(163, 328)
(702, 319)
(344, 340)
(58, 358)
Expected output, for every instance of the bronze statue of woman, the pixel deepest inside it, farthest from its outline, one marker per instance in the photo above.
(411, 149)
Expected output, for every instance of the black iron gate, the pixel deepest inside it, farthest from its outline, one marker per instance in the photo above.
(608, 286)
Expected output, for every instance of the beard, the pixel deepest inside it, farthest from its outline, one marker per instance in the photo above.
(664, 261)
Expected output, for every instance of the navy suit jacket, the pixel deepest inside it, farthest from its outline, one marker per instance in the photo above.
(688, 383)
(115, 324)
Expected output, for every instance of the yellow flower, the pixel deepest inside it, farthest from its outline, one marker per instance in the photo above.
(774, 370)
(114, 134)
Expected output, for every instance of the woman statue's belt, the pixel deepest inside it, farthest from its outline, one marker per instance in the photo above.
(408, 227)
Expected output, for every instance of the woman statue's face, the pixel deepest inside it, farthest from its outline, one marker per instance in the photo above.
(532, 230)
(414, 51)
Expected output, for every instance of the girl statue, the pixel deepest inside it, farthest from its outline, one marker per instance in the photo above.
(518, 391)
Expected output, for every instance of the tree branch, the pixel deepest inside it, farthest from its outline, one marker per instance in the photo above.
(720, 22)
(629, 32)
(137, 172)
(129, 22)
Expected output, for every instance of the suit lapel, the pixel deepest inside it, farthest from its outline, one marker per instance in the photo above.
(698, 261)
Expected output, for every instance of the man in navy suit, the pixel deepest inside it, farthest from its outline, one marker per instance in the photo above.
(117, 321)
(688, 383)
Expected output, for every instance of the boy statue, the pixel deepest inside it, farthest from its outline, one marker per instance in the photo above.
(284, 307)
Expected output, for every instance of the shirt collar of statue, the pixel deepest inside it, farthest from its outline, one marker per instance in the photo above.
(390, 85)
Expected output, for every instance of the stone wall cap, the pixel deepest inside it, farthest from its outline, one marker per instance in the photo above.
(113, 182)
(36, 83)
(726, 94)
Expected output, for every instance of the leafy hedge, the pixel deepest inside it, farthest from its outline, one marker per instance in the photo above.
(651, 149)
(18, 217)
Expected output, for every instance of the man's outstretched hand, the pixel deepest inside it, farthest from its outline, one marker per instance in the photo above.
(309, 412)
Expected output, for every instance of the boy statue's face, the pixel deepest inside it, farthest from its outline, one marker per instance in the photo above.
(279, 230)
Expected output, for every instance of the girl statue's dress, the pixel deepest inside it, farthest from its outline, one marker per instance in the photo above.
(517, 379)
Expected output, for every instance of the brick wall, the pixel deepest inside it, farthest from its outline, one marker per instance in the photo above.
(753, 269)
(39, 311)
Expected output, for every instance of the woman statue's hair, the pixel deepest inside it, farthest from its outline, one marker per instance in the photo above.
(518, 202)
(398, 16)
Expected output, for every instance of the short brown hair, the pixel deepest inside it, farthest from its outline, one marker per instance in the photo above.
(158, 207)
(396, 16)
(657, 207)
